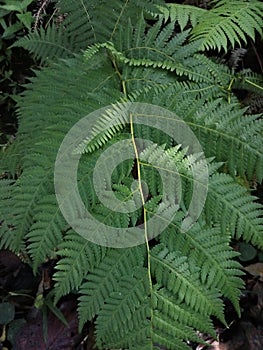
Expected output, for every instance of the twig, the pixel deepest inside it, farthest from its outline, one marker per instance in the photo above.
(43, 5)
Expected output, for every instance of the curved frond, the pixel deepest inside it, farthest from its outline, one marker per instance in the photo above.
(223, 129)
(229, 22)
(36, 216)
(48, 44)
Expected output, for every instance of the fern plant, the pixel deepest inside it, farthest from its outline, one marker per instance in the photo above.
(160, 292)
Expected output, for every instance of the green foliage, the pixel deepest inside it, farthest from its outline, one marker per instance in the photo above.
(228, 21)
(82, 26)
(161, 292)
(15, 21)
(24, 17)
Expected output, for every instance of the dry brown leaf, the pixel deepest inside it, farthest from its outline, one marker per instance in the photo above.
(218, 346)
(255, 270)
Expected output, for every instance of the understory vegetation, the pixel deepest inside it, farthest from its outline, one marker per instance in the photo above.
(184, 60)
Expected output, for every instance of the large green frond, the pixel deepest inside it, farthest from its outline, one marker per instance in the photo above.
(36, 216)
(229, 21)
(231, 136)
(223, 129)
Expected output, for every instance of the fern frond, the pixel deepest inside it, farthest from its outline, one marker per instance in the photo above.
(160, 49)
(10, 159)
(37, 143)
(166, 302)
(23, 209)
(226, 22)
(207, 247)
(45, 232)
(8, 238)
(172, 335)
(229, 21)
(181, 277)
(223, 129)
(81, 26)
(84, 18)
(183, 14)
(126, 311)
(78, 258)
(172, 321)
(184, 68)
(232, 137)
(230, 204)
(161, 292)
(102, 281)
(48, 44)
